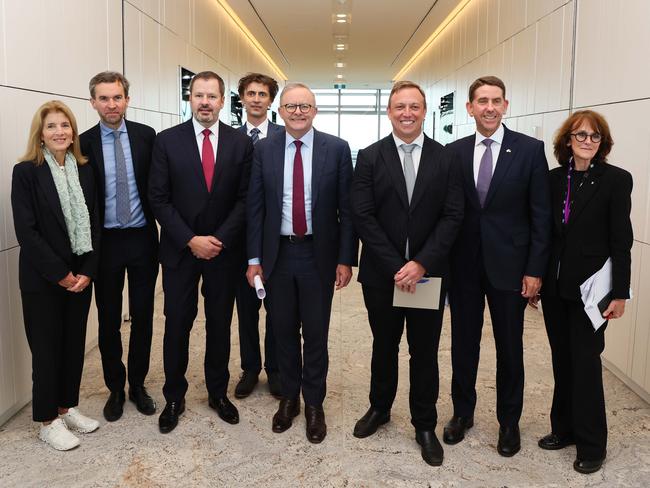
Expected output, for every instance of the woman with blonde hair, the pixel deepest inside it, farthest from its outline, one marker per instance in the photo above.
(56, 221)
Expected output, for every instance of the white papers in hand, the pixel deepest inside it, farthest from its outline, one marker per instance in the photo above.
(427, 295)
(259, 287)
(595, 291)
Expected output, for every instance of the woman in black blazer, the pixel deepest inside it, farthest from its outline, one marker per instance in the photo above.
(591, 212)
(56, 221)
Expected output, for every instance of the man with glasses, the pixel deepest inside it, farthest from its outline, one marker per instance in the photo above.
(501, 253)
(257, 92)
(301, 241)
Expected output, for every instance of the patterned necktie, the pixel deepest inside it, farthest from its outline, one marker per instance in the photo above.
(123, 205)
(298, 201)
(207, 158)
(255, 135)
(409, 168)
(484, 172)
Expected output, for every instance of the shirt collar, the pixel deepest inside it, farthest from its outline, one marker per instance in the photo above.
(418, 141)
(263, 127)
(307, 139)
(106, 130)
(496, 137)
(198, 128)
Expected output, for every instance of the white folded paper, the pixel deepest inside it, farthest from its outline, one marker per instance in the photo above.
(427, 295)
(594, 291)
(259, 287)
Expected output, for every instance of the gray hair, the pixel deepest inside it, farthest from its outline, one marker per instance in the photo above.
(296, 84)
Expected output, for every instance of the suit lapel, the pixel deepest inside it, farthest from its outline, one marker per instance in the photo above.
(466, 153)
(426, 169)
(192, 151)
(98, 156)
(277, 154)
(318, 161)
(135, 156)
(504, 160)
(224, 156)
(586, 192)
(394, 166)
(46, 182)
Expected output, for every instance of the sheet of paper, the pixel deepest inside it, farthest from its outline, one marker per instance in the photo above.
(594, 290)
(427, 295)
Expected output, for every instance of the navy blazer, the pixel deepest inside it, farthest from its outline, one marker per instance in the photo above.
(384, 219)
(513, 229)
(180, 199)
(141, 139)
(45, 253)
(334, 238)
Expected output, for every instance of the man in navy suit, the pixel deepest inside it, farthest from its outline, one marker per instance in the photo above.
(501, 253)
(301, 241)
(257, 92)
(120, 153)
(197, 189)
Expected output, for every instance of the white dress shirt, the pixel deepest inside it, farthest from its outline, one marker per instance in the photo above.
(263, 128)
(479, 149)
(417, 150)
(307, 149)
(198, 130)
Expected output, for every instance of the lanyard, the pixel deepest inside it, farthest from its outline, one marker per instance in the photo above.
(567, 199)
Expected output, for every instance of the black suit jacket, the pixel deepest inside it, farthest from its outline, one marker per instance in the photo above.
(334, 238)
(272, 130)
(599, 227)
(384, 219)
(180, 199)
(141, 138)
(45, 253)
(513, 229)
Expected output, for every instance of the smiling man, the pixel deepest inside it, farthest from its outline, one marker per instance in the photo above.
(407, 206)
(301, 241)
(197, 191)
(501, 253)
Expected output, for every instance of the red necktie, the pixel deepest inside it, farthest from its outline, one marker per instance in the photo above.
(207, 158)
(298, 201)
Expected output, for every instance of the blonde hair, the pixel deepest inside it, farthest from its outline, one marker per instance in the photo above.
(34, 150)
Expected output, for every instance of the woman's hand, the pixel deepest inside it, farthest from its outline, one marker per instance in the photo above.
(615, 310)
(82, 283)
(69, 281)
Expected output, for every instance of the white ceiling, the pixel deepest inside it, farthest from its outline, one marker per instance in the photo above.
(382, 36)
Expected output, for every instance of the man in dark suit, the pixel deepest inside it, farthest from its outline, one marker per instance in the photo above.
(257, 92)
(501, 253)
(407, 206)
(120, 154)
(200, 205)
(301, 241)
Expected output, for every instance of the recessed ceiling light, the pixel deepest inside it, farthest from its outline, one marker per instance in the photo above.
(339, 65)
(341, 16)
(341, 21)
(340, 77)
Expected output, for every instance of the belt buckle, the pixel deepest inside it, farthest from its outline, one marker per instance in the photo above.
(293, 239)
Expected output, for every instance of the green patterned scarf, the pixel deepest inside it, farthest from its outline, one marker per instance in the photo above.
(73, 203)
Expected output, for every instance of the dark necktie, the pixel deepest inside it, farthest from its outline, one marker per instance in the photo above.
(122, 203)
(255, 135)
(298, 201)
(484, 172)
(207, 158)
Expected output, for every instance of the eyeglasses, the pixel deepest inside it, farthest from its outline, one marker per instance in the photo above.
(292, 107)
(582, 137)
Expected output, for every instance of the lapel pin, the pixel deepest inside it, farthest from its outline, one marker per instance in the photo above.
(508, 150)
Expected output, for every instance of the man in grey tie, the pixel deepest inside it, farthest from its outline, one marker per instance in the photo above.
(501, 253)
(407, 206)
(120, 154)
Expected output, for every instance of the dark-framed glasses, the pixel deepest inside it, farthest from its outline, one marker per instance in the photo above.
(582, 136)
(292, 107)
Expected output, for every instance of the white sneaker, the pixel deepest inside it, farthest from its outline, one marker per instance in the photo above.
(58, 436)
(78, 422)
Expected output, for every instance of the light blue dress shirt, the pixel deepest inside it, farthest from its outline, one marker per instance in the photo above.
(307, 149)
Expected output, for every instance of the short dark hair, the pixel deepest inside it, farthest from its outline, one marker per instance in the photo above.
(402, 85)
(561, 147)
(209, 75)
(486, 80)
(108, 77)
(260, 78)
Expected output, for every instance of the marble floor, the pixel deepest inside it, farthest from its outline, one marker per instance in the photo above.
(206, 452)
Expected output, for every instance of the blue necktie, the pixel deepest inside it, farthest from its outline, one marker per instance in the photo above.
(484, 172)
(123, 205)
(255, 135)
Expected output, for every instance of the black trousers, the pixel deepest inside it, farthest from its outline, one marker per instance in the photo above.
(55, 325)
(133, 251)
(180, 284)
(578, 409)
(300, 300)
(423, 334)
(467, 301)
(248, 313)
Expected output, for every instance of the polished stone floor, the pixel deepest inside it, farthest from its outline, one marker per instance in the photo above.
(205, 452)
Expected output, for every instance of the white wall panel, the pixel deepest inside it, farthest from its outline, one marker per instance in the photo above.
(494, 22)
(639, 356)
(512, 18)
(152, 8)
(521, 83)
(536, 9)
(21, 355)
(551, 123)
(177, 17)
(133, 63)
(6, 325)
(3, 71)
(206, 33)
(150, 63)
(172, 55)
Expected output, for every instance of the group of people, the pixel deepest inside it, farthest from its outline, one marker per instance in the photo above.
(285, 205)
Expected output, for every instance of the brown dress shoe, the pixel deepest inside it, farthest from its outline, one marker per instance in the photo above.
(316, 428)
(283, 418)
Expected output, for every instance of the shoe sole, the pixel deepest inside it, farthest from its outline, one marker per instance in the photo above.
(368, 434)
(587, 471)
(509, 454)
(555, 448)
(63, 449)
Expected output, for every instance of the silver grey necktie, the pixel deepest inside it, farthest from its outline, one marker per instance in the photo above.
(484, 172)
(255, 134)
(409, 176)
(123, 205)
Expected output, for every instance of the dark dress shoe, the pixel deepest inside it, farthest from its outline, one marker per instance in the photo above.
(370, 422)
(246, 384)
(585, 466)
(168, 419)
(114, 406)
(225, 409)
(552, 442)
(316, 428)
(275, 386)
(455, 429)
(431, 449)
(288, 409)
(509, 441)
(143, 401)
